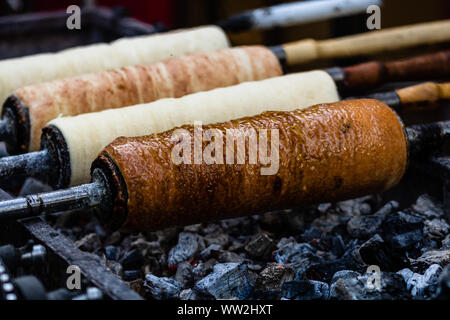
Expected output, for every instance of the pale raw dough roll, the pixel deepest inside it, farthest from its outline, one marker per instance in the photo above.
(133, 85)
(19, 72)
(87, 134)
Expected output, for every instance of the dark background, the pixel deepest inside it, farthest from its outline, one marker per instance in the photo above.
(188, 13)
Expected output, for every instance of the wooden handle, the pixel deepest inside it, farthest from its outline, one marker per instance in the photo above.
(368, 43)
(302, 51)
(371, 74)
(425, 92)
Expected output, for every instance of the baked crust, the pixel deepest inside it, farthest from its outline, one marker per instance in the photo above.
(327, 152)
(128, 86)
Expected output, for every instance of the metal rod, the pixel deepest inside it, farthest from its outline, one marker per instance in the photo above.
(296, 13)
(80, 197)
(26, 165)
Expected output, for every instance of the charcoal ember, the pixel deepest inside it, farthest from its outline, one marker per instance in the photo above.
(347, 207)
(365, 209)
(184, 275)
(324, 207)
(356, 206)
(326, 255)
(33, 186)
(161, 288)
(403, 230)
(238, 226)
(261, 247)
(187, 247)
(291, 251)
(407, 240)
(329, 246)
(145, 246)
(428, 207)
(311, 234)
(212, 228)
(202, 269)
(348, 288)
(426, 260)
(114, 239)
(324, 271)
(305, 290)
(256, 267)
(3, 150)
(338, 246)
(270, 281)
(167, 236)
(326, 223)
(388, 208)
(111, 253)
(237, 244)
(446, 242)
(213, 249)
(284, 241)
(115, 267)
(345, 274)
(155, 259)
(220, 239)
(228, 256)
(94, 226)
(422, 286)
(298, 257)
(138, 286)
(153, 266)
(126, 242)
(272, 222)
(132, 260)
(131, 275)
(301, 266)
(195, 228)
(5, 195)
(294, 221)
(427, 245)
(362, 287)
(226, 281)
(363, 227)
(162, 260)
(187, 294)
(155, 251)
(443, 292)
(437, 228)
(89, 243)
(376, 252)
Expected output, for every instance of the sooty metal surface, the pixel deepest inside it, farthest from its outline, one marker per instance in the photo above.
(90, 265)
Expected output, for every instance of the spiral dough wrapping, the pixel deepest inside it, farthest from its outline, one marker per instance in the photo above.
(87, 134)
(18, 72)
(133, 85)
(328, 152)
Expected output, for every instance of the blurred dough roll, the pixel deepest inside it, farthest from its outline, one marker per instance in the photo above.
(87, 134)
(19, 72)
(133, 85)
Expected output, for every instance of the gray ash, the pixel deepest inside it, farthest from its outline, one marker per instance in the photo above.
(329, 251)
